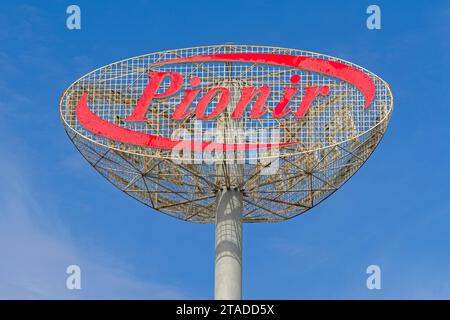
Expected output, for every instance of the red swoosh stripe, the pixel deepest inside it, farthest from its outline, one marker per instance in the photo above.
(111, 131)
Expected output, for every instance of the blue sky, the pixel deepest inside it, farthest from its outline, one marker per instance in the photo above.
(55, 210)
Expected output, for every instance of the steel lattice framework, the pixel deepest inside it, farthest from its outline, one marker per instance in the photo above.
(333, 139)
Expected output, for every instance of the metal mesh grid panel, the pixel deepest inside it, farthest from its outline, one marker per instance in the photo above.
(333, 139)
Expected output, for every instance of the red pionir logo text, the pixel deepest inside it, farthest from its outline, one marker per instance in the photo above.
(185, 109)
(260, 95)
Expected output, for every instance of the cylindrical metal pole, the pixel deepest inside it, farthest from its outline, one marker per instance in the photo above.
(228, 248)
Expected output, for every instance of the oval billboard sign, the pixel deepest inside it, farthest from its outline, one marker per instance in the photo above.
(199, 104)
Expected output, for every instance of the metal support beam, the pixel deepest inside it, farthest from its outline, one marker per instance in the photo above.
(228, 247)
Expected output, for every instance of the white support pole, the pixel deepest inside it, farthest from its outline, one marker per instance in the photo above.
(228, 248)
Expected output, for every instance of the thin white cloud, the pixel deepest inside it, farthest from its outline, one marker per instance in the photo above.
(35, 250)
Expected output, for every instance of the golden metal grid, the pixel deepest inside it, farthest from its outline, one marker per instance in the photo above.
(334, 139)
